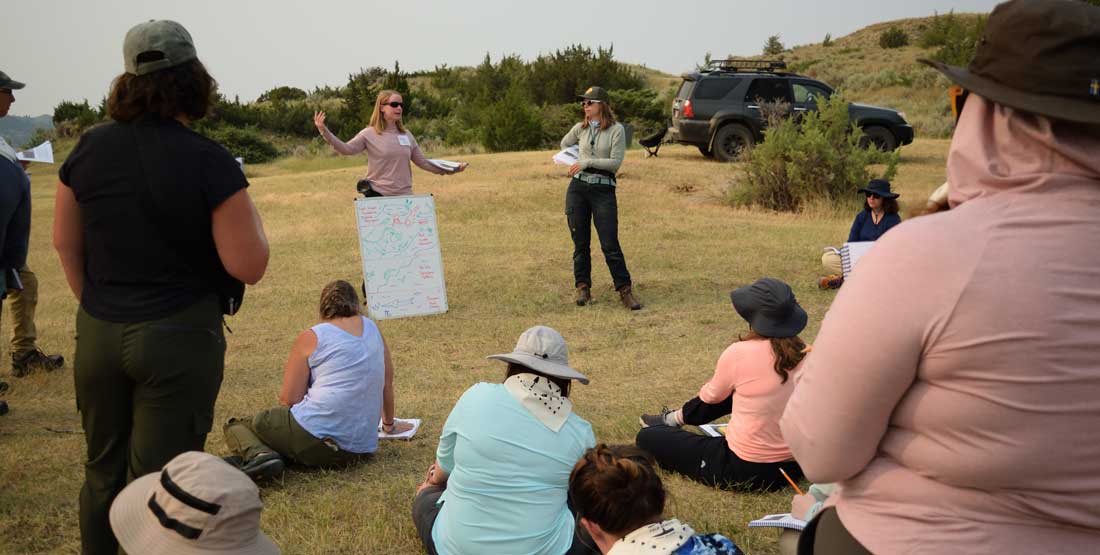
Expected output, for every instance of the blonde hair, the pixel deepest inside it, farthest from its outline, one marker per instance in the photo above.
(338, 300)
(377, 121)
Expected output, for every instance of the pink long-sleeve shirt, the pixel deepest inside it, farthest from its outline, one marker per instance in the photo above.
(747, 370)
(954, 387)
(388, 157)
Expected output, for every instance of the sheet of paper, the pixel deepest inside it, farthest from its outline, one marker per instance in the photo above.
(714, 430)
(568, 157)
(41, 153)
(405, 435)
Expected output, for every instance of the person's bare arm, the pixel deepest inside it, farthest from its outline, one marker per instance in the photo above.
(296, 371)
(68, 238)
(240, 239)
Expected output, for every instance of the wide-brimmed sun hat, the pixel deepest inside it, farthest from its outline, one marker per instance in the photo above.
(9, 83)
(156, 45)
(197, 505)
(769, 306)
(880, 187)
(543, 350)
(1039, 56)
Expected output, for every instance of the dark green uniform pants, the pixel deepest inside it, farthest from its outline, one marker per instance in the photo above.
(146, 393)
(276, 430)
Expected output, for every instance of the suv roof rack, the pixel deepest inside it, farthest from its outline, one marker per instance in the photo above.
(734, 64)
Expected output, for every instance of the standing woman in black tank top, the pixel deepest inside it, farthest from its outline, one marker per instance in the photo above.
(151, 219)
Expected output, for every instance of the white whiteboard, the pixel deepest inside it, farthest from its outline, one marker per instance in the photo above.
(402, 263)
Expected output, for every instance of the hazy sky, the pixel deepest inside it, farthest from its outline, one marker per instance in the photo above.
(72, 49)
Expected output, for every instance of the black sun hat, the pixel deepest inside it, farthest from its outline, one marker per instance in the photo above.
(769, 306)
(880, 187)
(1040, 56)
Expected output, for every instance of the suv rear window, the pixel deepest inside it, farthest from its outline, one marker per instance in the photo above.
(768, 90)
(715, 89)
(685, 89)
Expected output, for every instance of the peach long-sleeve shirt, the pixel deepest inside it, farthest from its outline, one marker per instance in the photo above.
(388, 158)
(954, 388)
(747, 370)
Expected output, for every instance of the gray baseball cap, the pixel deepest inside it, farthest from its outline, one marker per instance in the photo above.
(160, 44)
(9, 83)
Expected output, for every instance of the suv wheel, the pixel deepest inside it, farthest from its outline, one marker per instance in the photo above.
(705, 151)
(731, 141)
(878, 136)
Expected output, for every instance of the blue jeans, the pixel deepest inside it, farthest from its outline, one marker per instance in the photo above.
(586, 204)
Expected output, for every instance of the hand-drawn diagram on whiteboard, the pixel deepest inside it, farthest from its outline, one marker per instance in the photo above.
(402, 262)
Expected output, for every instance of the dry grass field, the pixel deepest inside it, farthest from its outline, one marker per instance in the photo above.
(506, 255)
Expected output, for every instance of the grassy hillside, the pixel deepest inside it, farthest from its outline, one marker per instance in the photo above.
(506, 255)
(17, 130)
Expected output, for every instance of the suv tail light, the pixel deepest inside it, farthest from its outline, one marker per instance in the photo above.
(689, 112)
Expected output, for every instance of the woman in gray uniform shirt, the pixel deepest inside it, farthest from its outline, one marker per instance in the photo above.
(591, 195)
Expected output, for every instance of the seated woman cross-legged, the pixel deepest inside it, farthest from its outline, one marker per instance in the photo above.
(751, 383)
(620, 503)
(501, 475)
(338, 381)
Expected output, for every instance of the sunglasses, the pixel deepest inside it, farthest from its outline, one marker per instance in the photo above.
(589, 102)
(394, 104)
(873, 195)
(957, 95)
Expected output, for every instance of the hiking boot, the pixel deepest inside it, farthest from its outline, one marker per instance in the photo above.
(663, 419)
(263, 466)
(627, 297)
(4, 386)
(234, 461)
(28, 361)
(584, 294)
(830, 282)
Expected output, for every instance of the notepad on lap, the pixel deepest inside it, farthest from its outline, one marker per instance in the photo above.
(850, 253)
(784, 520)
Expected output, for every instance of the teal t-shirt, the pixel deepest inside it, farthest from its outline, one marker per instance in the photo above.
(509, 476)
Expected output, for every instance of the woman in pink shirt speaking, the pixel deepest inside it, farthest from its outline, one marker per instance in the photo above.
(390, 147)
(751, 383)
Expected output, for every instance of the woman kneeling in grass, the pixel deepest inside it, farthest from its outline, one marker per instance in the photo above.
(751, 383)
(337, 382)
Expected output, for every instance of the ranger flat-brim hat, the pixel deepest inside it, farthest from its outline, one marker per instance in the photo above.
(9, 83)
(156, 45)
(543, 350)
(1040, 56)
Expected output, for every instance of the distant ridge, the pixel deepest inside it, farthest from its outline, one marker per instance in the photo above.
(17, 130)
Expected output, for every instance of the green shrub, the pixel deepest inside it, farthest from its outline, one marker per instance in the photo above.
(816, 161)
(511, 124)
(78, 116)
(282, 94)
(894, 37)
(243, 143)
(828, 40)
(773, 47)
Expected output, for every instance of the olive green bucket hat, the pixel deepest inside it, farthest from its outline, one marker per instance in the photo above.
(1040, 56)
(156, 45)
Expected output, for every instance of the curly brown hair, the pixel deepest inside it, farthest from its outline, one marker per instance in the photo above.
(186, 89)
(617, 487)
(339, 300)
(789, 351)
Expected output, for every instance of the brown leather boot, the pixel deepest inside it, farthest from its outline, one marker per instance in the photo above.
(627, 296)
(584, 294)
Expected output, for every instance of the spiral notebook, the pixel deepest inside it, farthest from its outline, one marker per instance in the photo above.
(850, 253)
(784, 520)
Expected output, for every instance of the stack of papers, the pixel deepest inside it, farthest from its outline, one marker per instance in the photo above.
(446, 165)
(41, 153)
(714, 430)
(404, 435)
(568, 157)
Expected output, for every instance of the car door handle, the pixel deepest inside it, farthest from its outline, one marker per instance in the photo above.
(800, 109)
(752, 106)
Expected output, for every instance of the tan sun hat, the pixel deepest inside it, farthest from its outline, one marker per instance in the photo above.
(199, 504)
(543, 350)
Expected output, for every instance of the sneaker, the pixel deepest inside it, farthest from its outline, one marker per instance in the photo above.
(626, 295)
(651, 420)
(830, 282)
(584, 294)
(264, 466)
(28, 361)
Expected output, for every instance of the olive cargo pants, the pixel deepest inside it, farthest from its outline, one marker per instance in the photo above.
(276, 430)
(146, 393)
